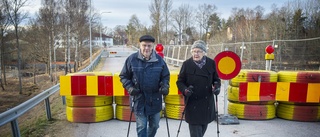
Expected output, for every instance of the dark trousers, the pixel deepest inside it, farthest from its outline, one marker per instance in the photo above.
(197, 130)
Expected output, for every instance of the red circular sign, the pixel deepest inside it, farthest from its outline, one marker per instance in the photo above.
(269, 49)
(159, 48)
(228, 65)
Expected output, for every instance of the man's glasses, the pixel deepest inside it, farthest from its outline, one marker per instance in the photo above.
(144, 46)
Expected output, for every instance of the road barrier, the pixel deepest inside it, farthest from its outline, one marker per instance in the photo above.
(101, 84)
(249, 90)
(296, 94)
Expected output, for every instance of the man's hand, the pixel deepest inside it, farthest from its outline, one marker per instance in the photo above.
(164, 89)
(133, 91)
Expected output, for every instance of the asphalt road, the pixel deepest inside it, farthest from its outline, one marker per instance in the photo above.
(247, 128)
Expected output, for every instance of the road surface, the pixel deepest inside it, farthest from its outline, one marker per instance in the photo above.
(247, 128)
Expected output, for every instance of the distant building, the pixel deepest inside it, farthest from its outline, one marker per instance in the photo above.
(229, 34)
(98, 40)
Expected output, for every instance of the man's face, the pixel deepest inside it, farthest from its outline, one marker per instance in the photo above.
(146, 48)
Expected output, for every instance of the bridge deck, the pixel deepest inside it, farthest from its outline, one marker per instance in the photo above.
(265, 128)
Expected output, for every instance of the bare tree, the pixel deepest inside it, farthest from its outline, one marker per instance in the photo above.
(33, 37)
(4, 22)
(167, 6)
(203, 15)
(119, 34)
(134, 29)
(48, 15)
(181, 21)
(78, 23)
(155, 9)
(177, 23)
(13, 8)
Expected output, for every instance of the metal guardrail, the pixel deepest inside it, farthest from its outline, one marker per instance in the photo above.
(11, 115)
(93, 64)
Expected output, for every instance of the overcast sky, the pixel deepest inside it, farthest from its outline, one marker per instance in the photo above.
(122, 10)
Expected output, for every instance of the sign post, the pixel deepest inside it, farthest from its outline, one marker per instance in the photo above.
(228, 66)
(269, 56)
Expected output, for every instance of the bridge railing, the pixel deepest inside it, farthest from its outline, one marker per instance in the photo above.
(298, 54)
(13, 114)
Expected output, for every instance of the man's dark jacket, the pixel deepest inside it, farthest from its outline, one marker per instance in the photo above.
(147, 76)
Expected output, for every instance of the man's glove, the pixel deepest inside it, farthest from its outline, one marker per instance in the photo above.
(164, 89)
(133, 91)
(216, 90)
(188, 91)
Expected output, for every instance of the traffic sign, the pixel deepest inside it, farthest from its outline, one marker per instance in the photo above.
(228, 65)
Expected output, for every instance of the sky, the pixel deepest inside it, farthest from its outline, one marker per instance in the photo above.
(120, 11)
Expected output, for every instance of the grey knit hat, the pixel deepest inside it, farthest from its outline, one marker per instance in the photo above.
(199, 44)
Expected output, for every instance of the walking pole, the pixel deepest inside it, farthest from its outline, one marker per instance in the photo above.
(132, 104)
(185, 105)
(165, 115)
(217, 116)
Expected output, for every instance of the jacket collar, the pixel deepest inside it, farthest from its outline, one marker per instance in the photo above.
(153, 57)
(203, 71)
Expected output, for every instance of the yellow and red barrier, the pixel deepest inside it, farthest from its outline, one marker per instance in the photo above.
(250, 90)
(173, 90)
(308, 113)
(89, 114)
(254, 76)
(280, 91)
(87, 84)
(253, 112)
(101, 84)
(88, 101)
(106, 84)
(299, 76)
(118, 90)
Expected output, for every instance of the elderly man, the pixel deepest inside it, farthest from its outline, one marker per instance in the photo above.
(145, 76)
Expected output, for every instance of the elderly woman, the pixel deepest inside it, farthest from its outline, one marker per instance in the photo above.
(199, 82)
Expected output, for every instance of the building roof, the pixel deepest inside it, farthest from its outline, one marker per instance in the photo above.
(102, 35)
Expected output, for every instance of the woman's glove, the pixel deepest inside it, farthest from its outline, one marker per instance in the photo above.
(188, 91)
(216, 90)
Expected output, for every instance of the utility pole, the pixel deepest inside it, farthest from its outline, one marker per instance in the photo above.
(90, 44)
(101, 26)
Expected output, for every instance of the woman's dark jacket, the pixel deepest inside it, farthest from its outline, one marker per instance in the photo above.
(200, 107)
(147, 76)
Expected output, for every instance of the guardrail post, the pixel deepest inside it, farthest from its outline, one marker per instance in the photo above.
(178, 55)
(172, 61)
(185, 55)
(63, 100)
(221, 49)
(15, 128)
(48, 110)
(167, 53)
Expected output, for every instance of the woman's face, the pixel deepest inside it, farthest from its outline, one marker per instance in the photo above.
(197, 54)
(146, 48)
